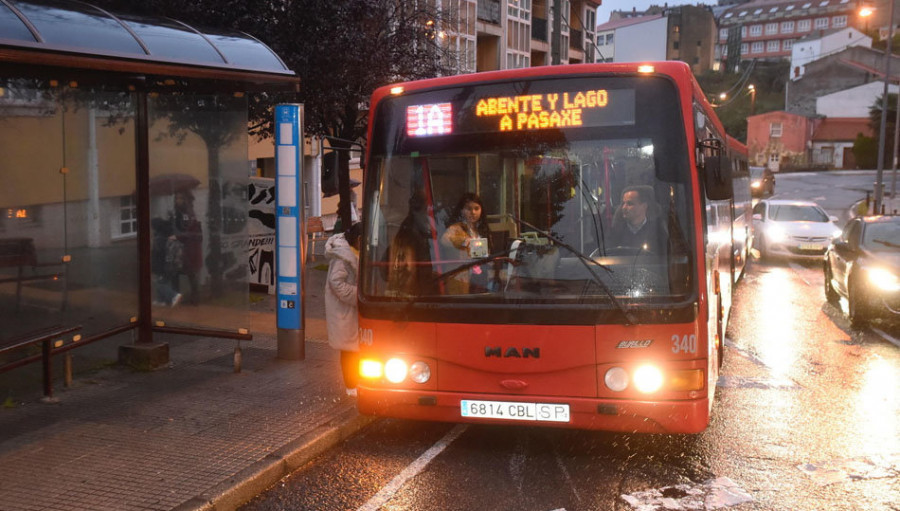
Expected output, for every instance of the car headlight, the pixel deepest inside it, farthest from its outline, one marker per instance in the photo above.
(883, 279)
(776, 233)
(756, 184)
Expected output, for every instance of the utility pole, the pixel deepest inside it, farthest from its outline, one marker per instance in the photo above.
(888, 54)
(556, 38)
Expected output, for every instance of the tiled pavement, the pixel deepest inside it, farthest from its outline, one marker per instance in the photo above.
(194, 435)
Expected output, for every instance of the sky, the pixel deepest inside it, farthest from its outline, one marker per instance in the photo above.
(641, 5)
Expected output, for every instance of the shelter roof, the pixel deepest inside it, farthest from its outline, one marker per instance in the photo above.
(37, 29)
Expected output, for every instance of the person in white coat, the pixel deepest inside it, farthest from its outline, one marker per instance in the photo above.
(342, 252)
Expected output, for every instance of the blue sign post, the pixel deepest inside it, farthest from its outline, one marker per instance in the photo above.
(290, 232)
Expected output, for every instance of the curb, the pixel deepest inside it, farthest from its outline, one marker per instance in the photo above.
(258, 477)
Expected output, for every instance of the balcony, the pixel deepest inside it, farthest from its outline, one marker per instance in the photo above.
(539, 29)
(489, 11)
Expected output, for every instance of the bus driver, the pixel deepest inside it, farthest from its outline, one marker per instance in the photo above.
(637, 224)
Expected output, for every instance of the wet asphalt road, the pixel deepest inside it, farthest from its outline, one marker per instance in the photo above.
(807, 418)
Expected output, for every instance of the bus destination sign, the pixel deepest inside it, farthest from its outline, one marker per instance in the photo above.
(551, 110)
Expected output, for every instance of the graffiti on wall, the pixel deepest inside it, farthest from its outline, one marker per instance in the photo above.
(261, 231)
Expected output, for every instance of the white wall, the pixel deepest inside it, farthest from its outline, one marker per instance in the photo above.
(642, 41)
(853, 102)
(805, 51)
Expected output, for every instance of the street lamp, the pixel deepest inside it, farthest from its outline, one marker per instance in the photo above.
(865, 13)
(879, 176)
(752, 90)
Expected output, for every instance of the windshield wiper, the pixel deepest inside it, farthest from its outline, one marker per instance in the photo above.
(590, 268)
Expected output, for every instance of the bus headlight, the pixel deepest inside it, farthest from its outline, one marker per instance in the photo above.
(395, 370)
(648, 379)
(616, 379)
(419, 372)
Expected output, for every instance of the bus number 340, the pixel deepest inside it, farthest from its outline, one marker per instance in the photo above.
(684, 344)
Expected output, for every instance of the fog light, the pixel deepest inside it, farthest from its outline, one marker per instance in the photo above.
(616, 379)
(371, 369)
(648, 379)
(395, 370)
(419, 372)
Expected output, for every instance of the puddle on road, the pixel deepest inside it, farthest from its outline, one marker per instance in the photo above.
(851, 469)
(741, 382)
(716, 493)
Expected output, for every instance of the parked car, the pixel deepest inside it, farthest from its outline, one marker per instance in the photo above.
(762, 182)
(863, 266)
(792, 228)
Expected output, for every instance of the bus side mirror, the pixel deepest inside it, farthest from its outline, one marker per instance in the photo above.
(716, 171)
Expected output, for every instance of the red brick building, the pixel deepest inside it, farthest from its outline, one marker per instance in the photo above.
(780, 140)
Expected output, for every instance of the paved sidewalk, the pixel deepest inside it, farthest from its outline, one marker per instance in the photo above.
(194, 435)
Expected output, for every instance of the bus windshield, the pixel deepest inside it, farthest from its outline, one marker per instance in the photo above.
(563, 190)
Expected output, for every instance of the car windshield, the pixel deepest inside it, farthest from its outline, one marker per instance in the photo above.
(883, 237)
(796, 213)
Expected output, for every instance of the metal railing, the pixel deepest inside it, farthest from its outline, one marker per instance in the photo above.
(489, 10)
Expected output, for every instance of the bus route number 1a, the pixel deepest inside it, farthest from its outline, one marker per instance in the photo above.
(684, 344)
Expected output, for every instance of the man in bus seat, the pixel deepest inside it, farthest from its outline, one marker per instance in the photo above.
(637, 224)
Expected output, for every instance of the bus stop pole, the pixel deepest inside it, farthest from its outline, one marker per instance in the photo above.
(290, 231)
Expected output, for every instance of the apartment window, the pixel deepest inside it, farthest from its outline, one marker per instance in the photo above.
(127, 216)
(609, 38)
(821, 23)
(771, 28)
(787, 27)
(804, 25)
(743, 32)
(755, 30)
(757, 47)
(745, 48)
(839, 21)
(775, 129)
(787, 44)
(723, 33)
(773, 46)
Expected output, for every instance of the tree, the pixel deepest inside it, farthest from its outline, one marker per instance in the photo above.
(341, 50)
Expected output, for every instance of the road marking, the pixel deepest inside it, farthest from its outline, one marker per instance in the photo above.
(412, 470)
(888, 337)
(797, 269)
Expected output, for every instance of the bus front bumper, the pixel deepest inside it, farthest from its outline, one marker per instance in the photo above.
(688, 416)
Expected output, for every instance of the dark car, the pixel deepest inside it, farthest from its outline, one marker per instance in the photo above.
(762, 182)
(863, 266)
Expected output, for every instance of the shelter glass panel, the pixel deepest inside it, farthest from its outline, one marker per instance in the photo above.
(198, 210)
(67, 162)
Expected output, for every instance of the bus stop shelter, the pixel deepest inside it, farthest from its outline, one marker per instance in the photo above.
(123, 158)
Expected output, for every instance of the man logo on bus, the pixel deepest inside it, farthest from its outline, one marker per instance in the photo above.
(511, 352)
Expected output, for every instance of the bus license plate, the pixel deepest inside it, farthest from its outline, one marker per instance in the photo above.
(552, 412)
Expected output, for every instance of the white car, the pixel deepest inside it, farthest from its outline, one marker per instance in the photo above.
(792, 228)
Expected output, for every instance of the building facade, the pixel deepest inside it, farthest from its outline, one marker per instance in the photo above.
(686, 33)
(767, 29)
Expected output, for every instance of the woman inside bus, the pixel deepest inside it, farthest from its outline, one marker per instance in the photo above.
(410, 269)
(467, 237)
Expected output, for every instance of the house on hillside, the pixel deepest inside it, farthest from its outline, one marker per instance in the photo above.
(832, 141)
(823, 43)
(851, 67)
(778, 140)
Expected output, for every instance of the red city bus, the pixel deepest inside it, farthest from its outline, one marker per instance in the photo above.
(551, 314)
